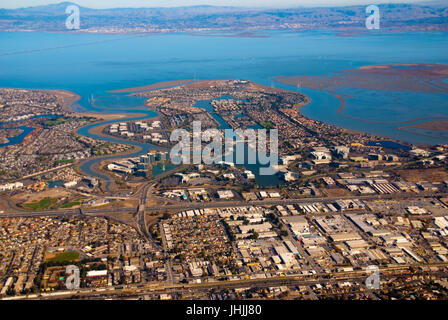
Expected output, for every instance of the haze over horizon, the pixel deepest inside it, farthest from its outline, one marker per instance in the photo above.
(103, 4)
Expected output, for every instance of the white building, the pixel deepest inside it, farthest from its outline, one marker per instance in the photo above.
(321, 157)
(11, 186)
(70, 184)
(225, 194)
(249, 175)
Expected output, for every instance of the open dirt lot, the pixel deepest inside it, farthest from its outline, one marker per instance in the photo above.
(37, 196)
(430, 175)
(336, 192)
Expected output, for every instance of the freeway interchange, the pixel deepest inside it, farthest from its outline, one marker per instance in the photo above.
(18, 213)
(143, 195)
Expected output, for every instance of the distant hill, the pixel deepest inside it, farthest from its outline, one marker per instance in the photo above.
(196, 18)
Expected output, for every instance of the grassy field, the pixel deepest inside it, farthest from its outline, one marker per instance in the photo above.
(43, 204)
(71, 204)
(267, 125)
(65, 257)
(65, 161)
(56, 122)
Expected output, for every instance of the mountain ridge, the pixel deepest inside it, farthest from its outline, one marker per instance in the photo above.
(205, 17)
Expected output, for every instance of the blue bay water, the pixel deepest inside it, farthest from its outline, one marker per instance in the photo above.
(92, 64)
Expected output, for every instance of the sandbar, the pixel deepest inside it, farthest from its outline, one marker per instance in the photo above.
(440, 125)
(158, 85)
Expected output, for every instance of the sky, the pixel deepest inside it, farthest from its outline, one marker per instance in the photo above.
(10, 4)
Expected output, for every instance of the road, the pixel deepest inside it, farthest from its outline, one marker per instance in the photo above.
(141, 217)
(211, 205)
(168, 263)
(357, 276)
(46, 171)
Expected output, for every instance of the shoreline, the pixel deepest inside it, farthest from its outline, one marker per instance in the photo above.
(66, 97)
(382, 77)
(210, 82)
(238, 32)
(69, 97)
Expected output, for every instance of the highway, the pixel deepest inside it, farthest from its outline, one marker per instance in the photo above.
(211, 205)
(141, 217)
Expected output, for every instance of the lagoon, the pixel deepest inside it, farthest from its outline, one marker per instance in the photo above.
(25, 130)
